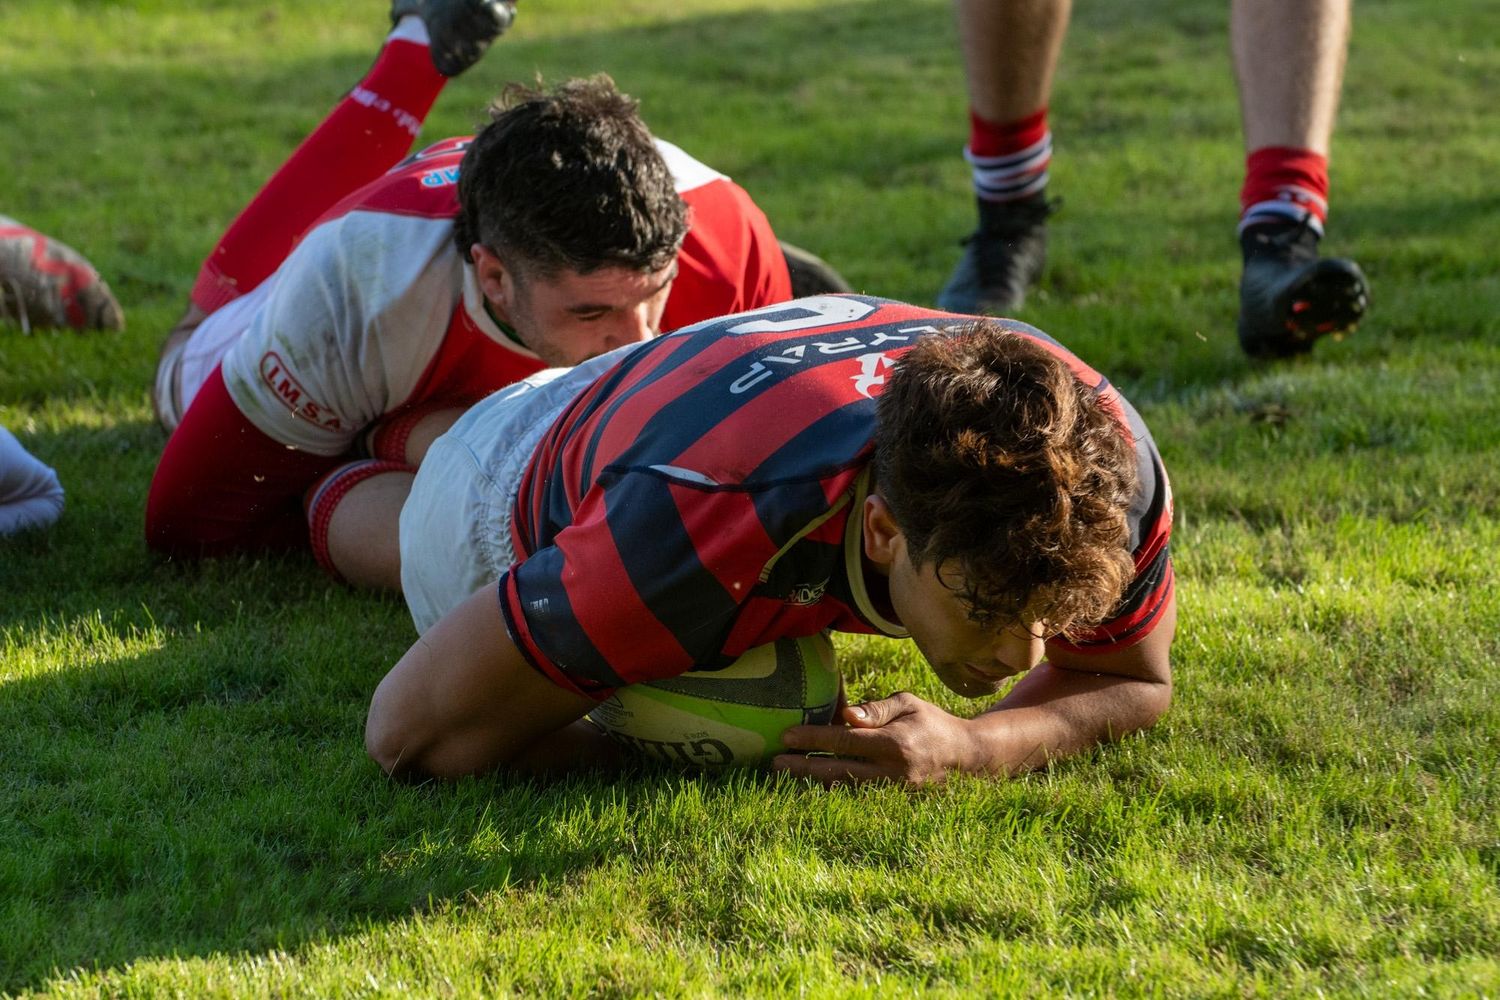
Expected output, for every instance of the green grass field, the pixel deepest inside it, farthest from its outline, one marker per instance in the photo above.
(185, 804)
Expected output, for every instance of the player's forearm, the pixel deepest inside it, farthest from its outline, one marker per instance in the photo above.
(1055, 713)
(581, 746)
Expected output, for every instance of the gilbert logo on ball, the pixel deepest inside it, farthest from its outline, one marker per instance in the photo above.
(729, 717)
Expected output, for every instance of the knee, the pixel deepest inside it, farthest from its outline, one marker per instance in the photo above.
(392, 741)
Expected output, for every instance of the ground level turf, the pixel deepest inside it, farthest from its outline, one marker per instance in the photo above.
(185, 805)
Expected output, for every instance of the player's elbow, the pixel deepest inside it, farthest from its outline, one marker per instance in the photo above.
(1156, 699)
(1152, 694)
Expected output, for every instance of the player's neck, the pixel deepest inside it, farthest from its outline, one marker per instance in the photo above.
(505, 328)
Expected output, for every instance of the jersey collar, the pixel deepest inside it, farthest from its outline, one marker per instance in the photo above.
(854, 550)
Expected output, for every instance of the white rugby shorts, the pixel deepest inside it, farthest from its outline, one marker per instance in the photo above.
(184, 368)
(456, 525)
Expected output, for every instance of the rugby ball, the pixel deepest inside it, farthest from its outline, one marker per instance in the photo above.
(729, 717)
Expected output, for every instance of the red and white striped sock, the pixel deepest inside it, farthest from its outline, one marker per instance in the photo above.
(1010, 159)
(323, 497)
(1284, 184)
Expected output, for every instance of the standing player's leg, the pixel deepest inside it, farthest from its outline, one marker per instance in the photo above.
(1010, 52)
(1289, 62)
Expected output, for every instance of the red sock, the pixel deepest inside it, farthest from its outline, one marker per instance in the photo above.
(1010, 159)
(324, 496)
(365, 134)
(386, 439)
(1284, 184)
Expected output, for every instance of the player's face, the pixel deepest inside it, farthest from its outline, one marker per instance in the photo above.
(570, 317)
(969, 660)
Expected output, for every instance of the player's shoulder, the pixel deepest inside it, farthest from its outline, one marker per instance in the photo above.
(688, 172)
(423, 186)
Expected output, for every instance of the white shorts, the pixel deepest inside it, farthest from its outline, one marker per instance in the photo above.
(184, 368)
(456, 524)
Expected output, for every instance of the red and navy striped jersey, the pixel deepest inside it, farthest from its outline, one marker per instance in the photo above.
(695, 500)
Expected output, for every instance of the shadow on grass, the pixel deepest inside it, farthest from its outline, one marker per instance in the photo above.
(212, 796)
(183, 771)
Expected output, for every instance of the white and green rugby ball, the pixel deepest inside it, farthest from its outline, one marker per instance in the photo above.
(729, 717)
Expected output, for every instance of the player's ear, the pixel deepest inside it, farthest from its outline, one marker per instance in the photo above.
(881, 533)
(490, 272)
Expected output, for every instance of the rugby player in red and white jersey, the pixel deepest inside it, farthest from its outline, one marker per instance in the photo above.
(362, 302)
(838, 462)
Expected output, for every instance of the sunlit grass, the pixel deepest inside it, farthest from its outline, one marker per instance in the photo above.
(185, 804)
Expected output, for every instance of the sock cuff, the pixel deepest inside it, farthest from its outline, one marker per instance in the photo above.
(387, 439)
(410, 28)
(323, 497)
(990, 139)
(1284, 184)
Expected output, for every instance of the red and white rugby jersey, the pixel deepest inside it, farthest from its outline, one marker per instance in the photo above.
(701, 497)
(375, 309)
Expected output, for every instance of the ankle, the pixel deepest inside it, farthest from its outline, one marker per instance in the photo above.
(1001, 216)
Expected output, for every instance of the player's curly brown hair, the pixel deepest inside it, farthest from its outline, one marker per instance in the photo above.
(999, 465)
(569, 178)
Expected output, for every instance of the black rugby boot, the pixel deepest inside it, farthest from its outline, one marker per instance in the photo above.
(1002, 258)
(459, 31)
(1289, 296)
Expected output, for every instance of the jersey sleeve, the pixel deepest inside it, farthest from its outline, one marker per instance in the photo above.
(730, 260)
(597, 609)
(30, 494)
(351, 321)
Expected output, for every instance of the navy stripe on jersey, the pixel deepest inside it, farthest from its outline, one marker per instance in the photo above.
(546, 610)
(667, 559)
(818, 446)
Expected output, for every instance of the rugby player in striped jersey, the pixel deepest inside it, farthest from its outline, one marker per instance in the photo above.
(837, 462)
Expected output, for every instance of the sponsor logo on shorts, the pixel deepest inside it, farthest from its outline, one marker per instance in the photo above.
(293, 396)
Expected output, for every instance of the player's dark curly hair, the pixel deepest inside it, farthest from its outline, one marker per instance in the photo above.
(569, 178)
(1004, 470)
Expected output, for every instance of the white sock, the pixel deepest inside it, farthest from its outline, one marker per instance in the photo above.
(409, 29)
